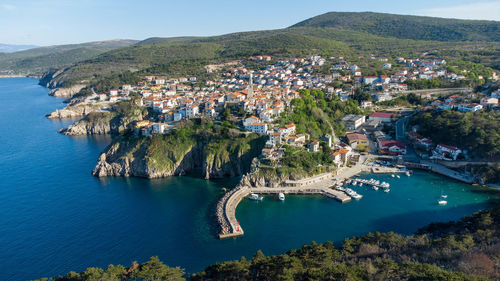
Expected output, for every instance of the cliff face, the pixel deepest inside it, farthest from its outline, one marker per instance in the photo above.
(72, 111)
(100, 123)
(53, 79)
(66, 92)
(156, 157)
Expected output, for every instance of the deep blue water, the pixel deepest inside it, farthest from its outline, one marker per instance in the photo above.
(55, 217)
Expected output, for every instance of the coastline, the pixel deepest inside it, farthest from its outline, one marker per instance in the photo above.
(15, 76)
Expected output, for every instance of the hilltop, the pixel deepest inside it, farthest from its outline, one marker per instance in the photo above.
(331, 34)
(408, 27)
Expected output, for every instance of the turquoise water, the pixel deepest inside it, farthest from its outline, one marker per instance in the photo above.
(56, 217)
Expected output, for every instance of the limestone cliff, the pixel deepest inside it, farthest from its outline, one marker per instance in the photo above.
(66, 92)
(100, 123)
(163, 156)
(73, 111)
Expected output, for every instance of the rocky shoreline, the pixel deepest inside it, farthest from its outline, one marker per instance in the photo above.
(134, 157)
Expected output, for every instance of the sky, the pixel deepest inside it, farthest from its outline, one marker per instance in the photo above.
(54, 22)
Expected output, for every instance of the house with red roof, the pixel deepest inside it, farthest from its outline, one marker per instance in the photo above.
(392, 147)
(443, 151)
(382, 117)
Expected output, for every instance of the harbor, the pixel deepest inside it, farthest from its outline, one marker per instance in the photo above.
(327, 184)
(226, 208)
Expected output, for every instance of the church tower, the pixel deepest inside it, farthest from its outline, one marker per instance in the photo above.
(250, 86)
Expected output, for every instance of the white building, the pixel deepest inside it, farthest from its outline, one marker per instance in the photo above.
(192, 111)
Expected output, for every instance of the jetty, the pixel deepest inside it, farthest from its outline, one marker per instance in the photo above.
(371, 182)
(226, 208)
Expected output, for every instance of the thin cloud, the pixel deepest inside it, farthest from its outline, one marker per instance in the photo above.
(476, 11)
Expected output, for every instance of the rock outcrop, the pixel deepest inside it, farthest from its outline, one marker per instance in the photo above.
(136, 156)
(66, 92)
(72, 111)
(99, 123)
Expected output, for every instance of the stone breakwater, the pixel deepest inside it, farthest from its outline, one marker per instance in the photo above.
(226, 207)
(226, 212)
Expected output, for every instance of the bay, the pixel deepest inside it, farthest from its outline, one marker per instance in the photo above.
(56, 217)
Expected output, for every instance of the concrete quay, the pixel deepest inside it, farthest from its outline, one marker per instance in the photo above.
(226, 208)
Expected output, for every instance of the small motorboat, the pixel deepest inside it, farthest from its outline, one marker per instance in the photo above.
(444, 196)
(255, 196)
(281, 196)
(442, 202)
(398, 176)
(387, 190)
(392, 175)
(375, 188)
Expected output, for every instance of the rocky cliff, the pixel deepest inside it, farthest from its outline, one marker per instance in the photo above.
(66, 92)
(73, 111)
(100, 123)
(163, 156)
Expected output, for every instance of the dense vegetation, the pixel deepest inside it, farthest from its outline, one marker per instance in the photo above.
(465, 250)
(479, 132)
(151, 270)
(409, 27)
(315, 113)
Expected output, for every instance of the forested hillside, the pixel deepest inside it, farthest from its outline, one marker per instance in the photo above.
(409, 27)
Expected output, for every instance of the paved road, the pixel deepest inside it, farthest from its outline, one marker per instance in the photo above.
(439, 90)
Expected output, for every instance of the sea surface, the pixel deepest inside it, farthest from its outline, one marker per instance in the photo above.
(55, 217)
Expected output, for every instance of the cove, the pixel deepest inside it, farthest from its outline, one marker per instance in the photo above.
(56, 217)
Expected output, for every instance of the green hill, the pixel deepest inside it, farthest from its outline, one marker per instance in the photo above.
(38, 60)
(409, 27)
(332, 34)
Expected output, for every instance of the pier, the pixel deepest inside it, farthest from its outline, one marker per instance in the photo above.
(368, 182)
(226, 208)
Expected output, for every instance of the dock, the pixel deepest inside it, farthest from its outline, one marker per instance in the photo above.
(226, 208)
(368, 182)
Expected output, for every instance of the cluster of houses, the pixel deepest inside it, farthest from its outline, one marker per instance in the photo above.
(439, 151)
(459, 103)
(383, 86)
(269, 90)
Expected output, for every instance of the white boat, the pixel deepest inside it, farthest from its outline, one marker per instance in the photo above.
(354, 183)
(392, 175)
(442, 202)
(408, 173)
(387, 190)
(375, 188)
(398, 176)
(281, 196)
(353, 194)
(255, 196)
(444, 196)
(357, 196)
(360, 184)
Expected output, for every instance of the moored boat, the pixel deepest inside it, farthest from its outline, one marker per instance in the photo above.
(255, 196)
(281, 196)
(442, 202)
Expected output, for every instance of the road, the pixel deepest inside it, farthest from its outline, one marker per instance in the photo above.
(439, 90)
